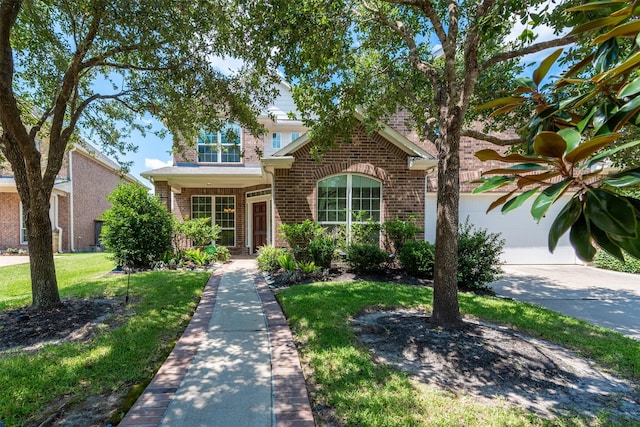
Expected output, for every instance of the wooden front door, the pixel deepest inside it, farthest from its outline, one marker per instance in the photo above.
(259, 225)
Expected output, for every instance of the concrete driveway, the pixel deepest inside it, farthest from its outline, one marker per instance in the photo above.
(13, 259)
(601, 297)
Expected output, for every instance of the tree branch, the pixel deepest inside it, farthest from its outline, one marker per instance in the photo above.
(492, 139)
(537, 47)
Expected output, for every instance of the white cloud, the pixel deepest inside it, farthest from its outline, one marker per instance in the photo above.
(227, 65)
(156, 163)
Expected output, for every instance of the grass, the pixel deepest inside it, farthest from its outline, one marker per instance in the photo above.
(363, 393)
(111, 362)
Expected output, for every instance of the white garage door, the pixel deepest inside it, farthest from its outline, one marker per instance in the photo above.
(525, 240)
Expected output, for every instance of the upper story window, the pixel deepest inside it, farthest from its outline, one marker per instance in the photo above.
(276, 140)
(224, 146)
(294, 136)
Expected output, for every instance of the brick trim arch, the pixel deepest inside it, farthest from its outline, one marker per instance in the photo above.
(348, 167)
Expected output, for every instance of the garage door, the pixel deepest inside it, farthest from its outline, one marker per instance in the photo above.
(525, 240)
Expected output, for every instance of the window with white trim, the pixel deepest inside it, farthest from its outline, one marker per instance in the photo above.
(294, 136)
(23, 225)
(222, 211)
(276, 140)
(348, 199)
(224, 146)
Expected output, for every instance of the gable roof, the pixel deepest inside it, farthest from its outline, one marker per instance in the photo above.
(418, 158)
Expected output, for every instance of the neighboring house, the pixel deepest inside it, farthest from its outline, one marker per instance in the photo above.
(389, 175)
(77, 201)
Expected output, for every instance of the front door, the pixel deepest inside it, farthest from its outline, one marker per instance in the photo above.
(259, 225)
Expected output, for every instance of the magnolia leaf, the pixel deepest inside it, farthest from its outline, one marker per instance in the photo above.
(631, 63)
(541, 72)
(630, 245)
(504, 109)
(550, 194)
(499, 201)
(629, 29)
(565, 219)
(525, 181)
(519, 168)
(603, 240)
(630, 89)
(596, 5)
(611, 213)
(549, 144)
(501, 102)
(525, 82)
(595, 159)
(517, 201)
(571, 136)
(587, 148)
(580, 237)
(576, 68)
(493, 183)
(596, 23)
(489, 154)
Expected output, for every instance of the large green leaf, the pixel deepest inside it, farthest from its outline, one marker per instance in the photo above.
(600, 156)
(527, 180)
(631, 63)
(488, 154)
(519, 168)
(580, 237)
(623, 179)
(595, 5)
(550, 194)
(587, 148)
(628, 29)
(545, 66)
(611, 213)
(501, 102)
(499, 201)
(571, 136)
(630, 89)
(603, 240)
(565, 219)
(517, 201)
(630, 245)
(597, 23)
(549, 144)
(493, 183)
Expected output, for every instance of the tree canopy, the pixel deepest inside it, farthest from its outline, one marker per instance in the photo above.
(97, 66)
(436, 60)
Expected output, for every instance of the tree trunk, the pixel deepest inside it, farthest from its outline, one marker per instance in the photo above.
(44, 285)
(446, 311)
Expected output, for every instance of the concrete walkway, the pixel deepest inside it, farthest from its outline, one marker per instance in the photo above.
(235, 365)
(13, 260)
(601, 297)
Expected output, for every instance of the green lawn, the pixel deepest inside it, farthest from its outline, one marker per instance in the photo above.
(365, 394)
(114, 360)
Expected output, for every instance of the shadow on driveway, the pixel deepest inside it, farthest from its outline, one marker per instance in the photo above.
(605, 298)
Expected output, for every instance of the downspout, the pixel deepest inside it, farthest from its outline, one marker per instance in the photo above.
(71, 214)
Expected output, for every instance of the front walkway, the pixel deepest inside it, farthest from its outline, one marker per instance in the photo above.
(235, 365)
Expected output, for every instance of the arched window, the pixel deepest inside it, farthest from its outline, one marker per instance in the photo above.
(344, 200)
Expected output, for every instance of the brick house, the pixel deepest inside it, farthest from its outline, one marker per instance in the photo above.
(249, 186)
(77, 201)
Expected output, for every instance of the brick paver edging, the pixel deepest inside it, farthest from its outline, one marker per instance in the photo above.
(291, 400)
(151, 405)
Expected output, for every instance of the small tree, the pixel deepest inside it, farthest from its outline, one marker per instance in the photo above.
(137, 228)
(196, 232)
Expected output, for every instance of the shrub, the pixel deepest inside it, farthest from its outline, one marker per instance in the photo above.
(196, 232)
(364, 229)
(604, 260)
(222, 254)
(397, 232)
(287, 262)
(417, 258)
(478, 257)
(298, 236)
(307, 267)
(137, 227)
(198, 257)
(365, 257)
(268, 258)
(322, 249)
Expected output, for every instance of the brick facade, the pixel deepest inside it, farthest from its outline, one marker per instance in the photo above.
(402, 189)
(10, 221)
